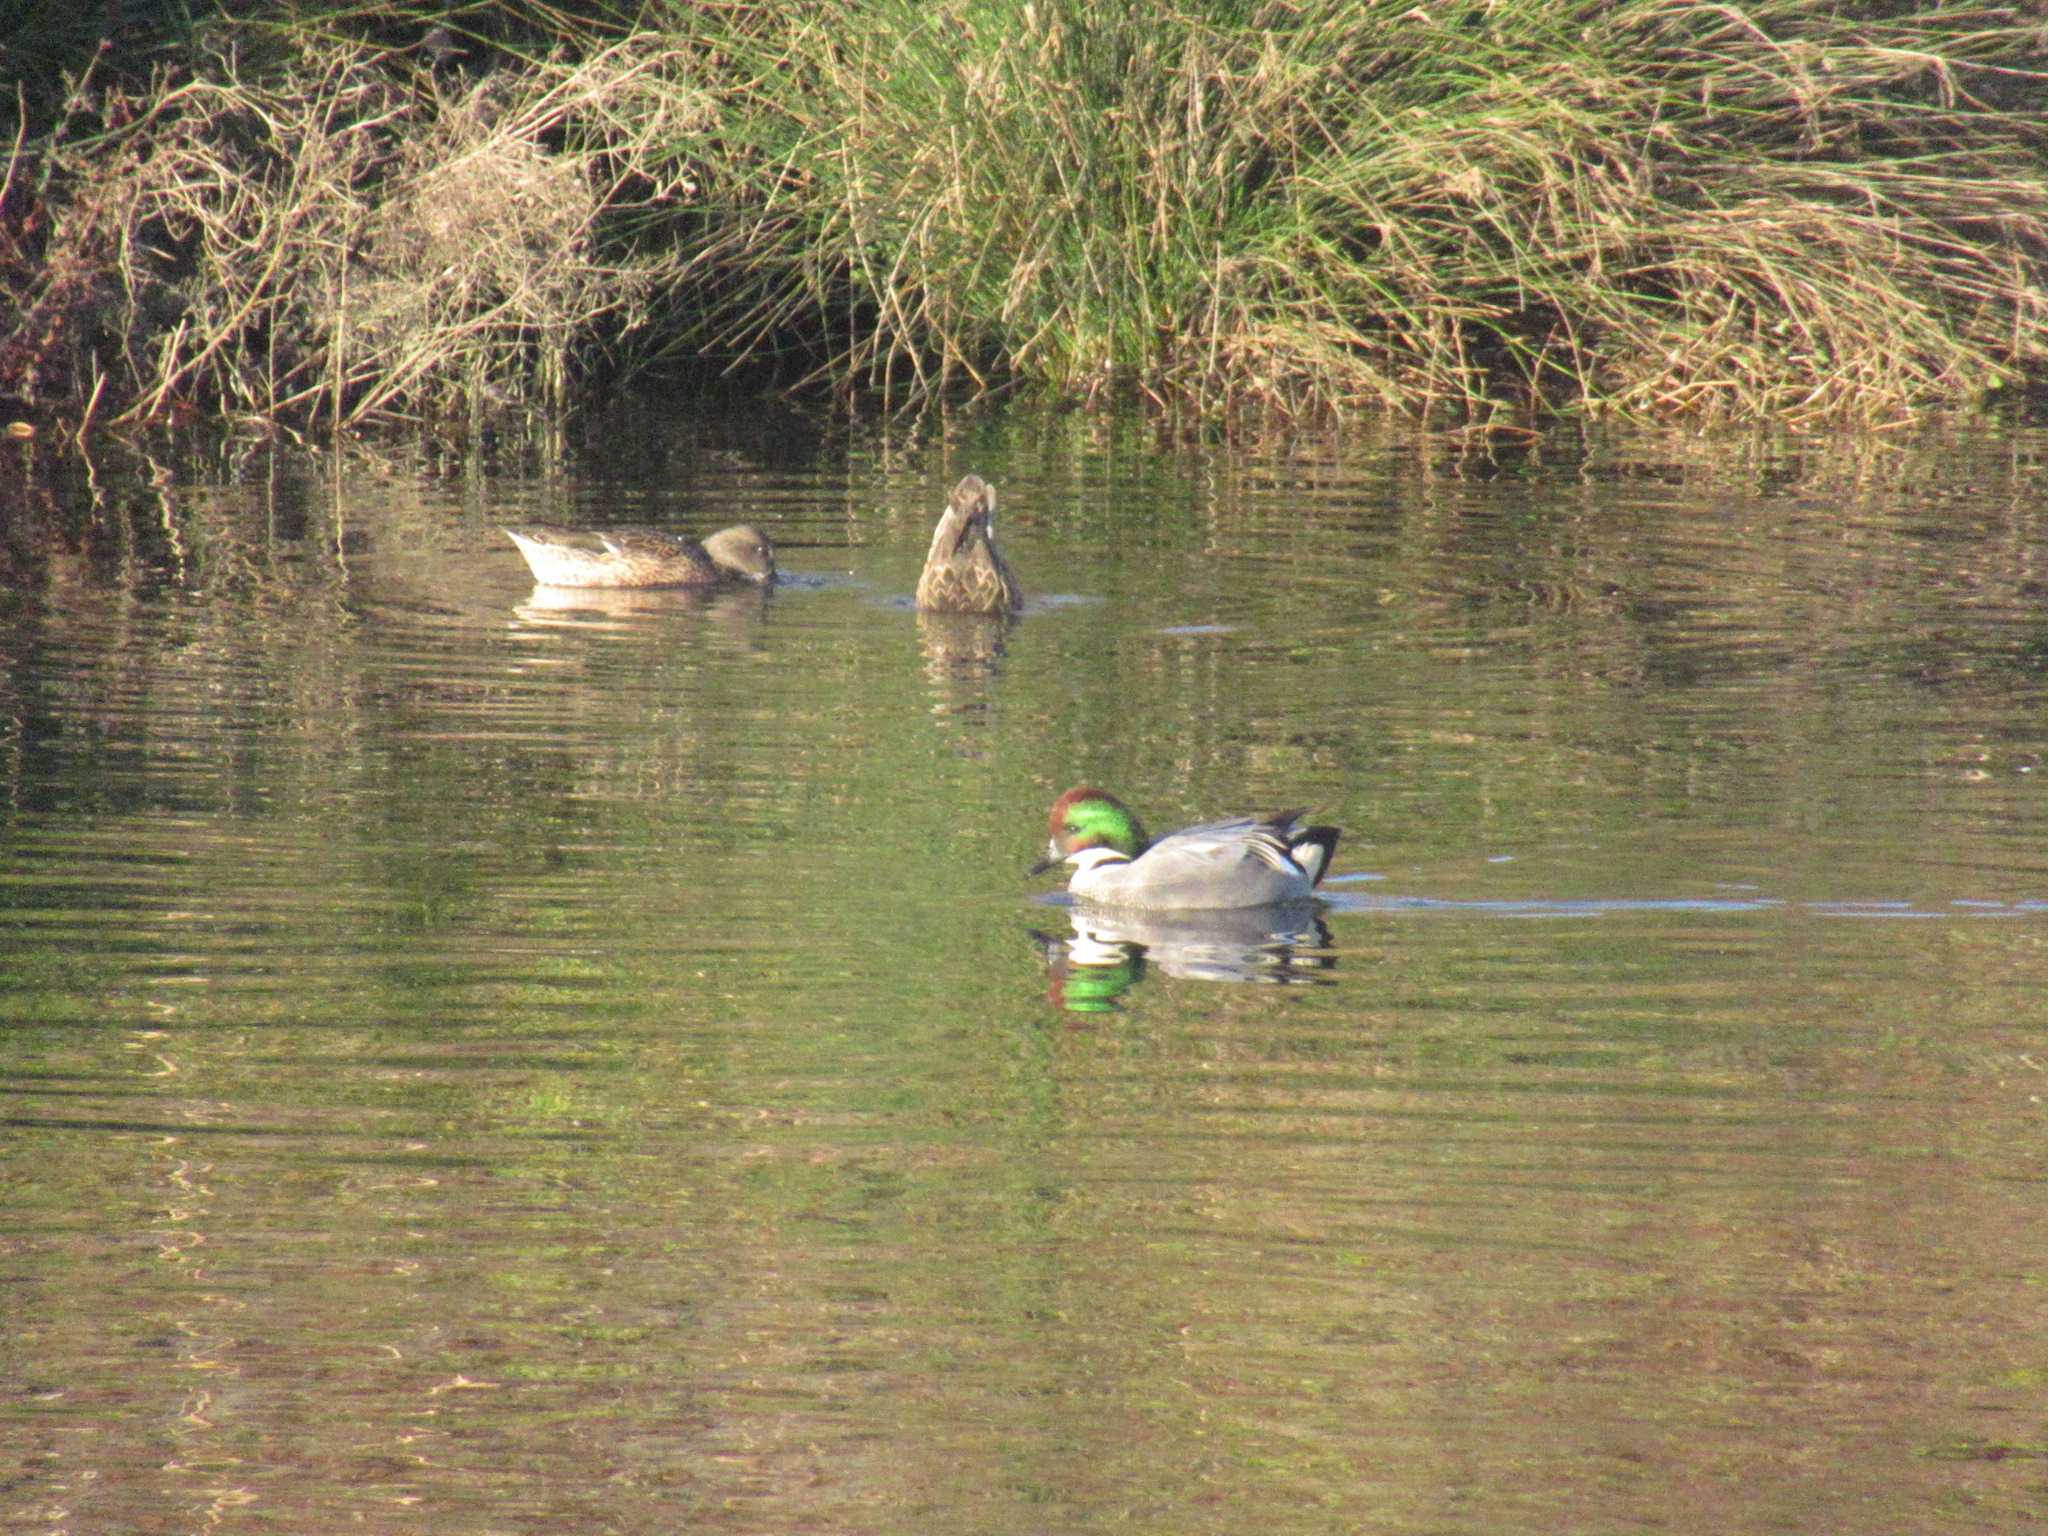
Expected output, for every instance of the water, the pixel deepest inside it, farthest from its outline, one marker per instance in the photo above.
(487, 1062)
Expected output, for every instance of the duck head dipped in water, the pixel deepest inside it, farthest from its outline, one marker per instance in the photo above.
(965, 573)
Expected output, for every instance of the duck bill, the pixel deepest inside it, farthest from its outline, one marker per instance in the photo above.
(1050, 861)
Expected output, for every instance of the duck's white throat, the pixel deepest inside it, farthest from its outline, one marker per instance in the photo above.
(1085, 859)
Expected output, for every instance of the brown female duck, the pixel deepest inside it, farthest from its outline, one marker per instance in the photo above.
(643, 557)
(965, 573)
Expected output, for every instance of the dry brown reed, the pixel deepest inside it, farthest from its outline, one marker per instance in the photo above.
(345, 237)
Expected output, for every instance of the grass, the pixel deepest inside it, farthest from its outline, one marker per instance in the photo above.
(1649, 208)
(301, 229)
(1789, 211)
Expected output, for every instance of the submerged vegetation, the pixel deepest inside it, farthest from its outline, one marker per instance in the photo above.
(1783, 210)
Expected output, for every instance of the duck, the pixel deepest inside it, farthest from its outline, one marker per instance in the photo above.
(1249, 861)
(643, 557)
(965, 572)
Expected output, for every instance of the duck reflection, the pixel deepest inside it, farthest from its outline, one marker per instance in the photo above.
(963, 652)
(587, 607)
(1286, 944)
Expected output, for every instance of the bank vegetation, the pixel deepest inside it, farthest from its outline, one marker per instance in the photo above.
(336, 216)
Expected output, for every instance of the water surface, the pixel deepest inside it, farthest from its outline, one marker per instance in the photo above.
(489, 1060)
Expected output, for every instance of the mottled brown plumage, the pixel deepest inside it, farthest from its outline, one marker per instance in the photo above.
(965, 573)
(642, 557)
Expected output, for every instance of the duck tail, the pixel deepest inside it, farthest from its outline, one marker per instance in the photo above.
(1313, 848)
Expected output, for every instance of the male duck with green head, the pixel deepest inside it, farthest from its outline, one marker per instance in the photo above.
(1252, 861)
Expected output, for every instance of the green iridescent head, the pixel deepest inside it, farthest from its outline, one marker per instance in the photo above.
(1091, 818)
